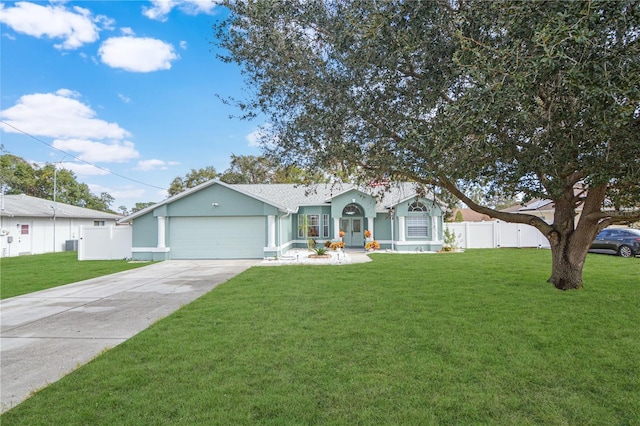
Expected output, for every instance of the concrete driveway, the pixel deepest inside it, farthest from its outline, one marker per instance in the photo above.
(47, 334)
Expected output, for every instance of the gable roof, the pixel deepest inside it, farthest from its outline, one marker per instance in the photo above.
(289, 197)
(535, 204)
(469, 215)
(26, 206)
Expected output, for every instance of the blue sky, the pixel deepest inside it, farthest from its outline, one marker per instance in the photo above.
(129, 86)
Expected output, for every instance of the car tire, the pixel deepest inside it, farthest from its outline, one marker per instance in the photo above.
(625, 251)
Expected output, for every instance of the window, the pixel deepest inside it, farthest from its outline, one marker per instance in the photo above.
(352, 210)
(417, 226)
(417, 207)
(325, 226)
(313, 225)
(308, 226)
(98, 223)
(24, 229)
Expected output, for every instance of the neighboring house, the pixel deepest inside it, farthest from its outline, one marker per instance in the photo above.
(218, 220)
(469, 215)
(544, 209)
(30, 225)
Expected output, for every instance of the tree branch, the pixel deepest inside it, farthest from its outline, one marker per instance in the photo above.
(526, 219)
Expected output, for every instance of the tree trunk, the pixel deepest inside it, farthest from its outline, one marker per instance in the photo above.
(566, 268)
(569, 243)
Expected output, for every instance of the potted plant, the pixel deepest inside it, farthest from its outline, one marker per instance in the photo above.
(372, 246)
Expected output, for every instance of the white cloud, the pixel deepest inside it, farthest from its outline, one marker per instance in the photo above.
(68, 93)
(254, 137)
(98, 152)
(58, 115)
(184, 45)
(261, 135)
(123, 193)
(154, 164)
(160, 9)
(124, 98)
(82, 169)
(75, 26)
(127, 31)
(137, 54)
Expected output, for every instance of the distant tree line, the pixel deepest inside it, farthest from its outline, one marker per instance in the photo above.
(247, 169)
(18, 176)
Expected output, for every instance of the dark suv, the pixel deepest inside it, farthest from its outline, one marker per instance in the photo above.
(623, 242)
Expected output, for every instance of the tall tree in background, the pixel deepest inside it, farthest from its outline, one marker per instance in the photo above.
(533, 98)
(17, 175)
(21, 177)
(248, 169)
(262, 169)
(191, 179)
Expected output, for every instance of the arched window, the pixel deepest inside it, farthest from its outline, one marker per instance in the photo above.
(352, 210)
(417, 206)
(417, 220)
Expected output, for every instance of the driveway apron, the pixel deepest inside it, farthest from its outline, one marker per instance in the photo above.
(47, 334)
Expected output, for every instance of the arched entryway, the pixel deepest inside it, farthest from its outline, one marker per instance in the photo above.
(352, 223)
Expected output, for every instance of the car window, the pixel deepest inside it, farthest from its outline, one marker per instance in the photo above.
(603, 235)
(631, 233)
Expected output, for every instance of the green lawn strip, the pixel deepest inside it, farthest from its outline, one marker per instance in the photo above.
(468, 338)
(26, 274)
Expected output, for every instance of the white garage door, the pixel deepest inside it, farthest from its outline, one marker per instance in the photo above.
(217, 237)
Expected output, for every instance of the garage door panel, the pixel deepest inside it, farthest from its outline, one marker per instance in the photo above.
(217, 237)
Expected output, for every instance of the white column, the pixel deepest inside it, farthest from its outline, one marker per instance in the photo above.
(434, 220)
(271, 235)
(161, 243)
(336, 228)
(370, 227)
(401, 236)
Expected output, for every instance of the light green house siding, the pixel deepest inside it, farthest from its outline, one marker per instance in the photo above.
(365, 201)
(217, 220)
(145, 231)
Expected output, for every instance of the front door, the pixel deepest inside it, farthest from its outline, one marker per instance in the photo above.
(353, 232)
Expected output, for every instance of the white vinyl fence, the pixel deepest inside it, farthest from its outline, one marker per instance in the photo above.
(104, 242)
(496, 234)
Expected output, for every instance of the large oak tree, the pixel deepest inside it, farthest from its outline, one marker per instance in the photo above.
(539, 99)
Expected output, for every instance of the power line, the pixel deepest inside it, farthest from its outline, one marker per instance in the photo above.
(80, 159)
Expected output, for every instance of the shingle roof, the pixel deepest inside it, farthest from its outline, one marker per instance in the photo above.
(26, 206)
(291, 196)
(469, 215)
(535, 204)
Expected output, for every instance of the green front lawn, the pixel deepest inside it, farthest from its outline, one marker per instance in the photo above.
(26, 274)
(464, 338)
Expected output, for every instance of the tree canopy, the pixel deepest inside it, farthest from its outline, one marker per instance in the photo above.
(538, 99)
(262, 169)
(247, 169)
(18, 176)
(191, 179)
